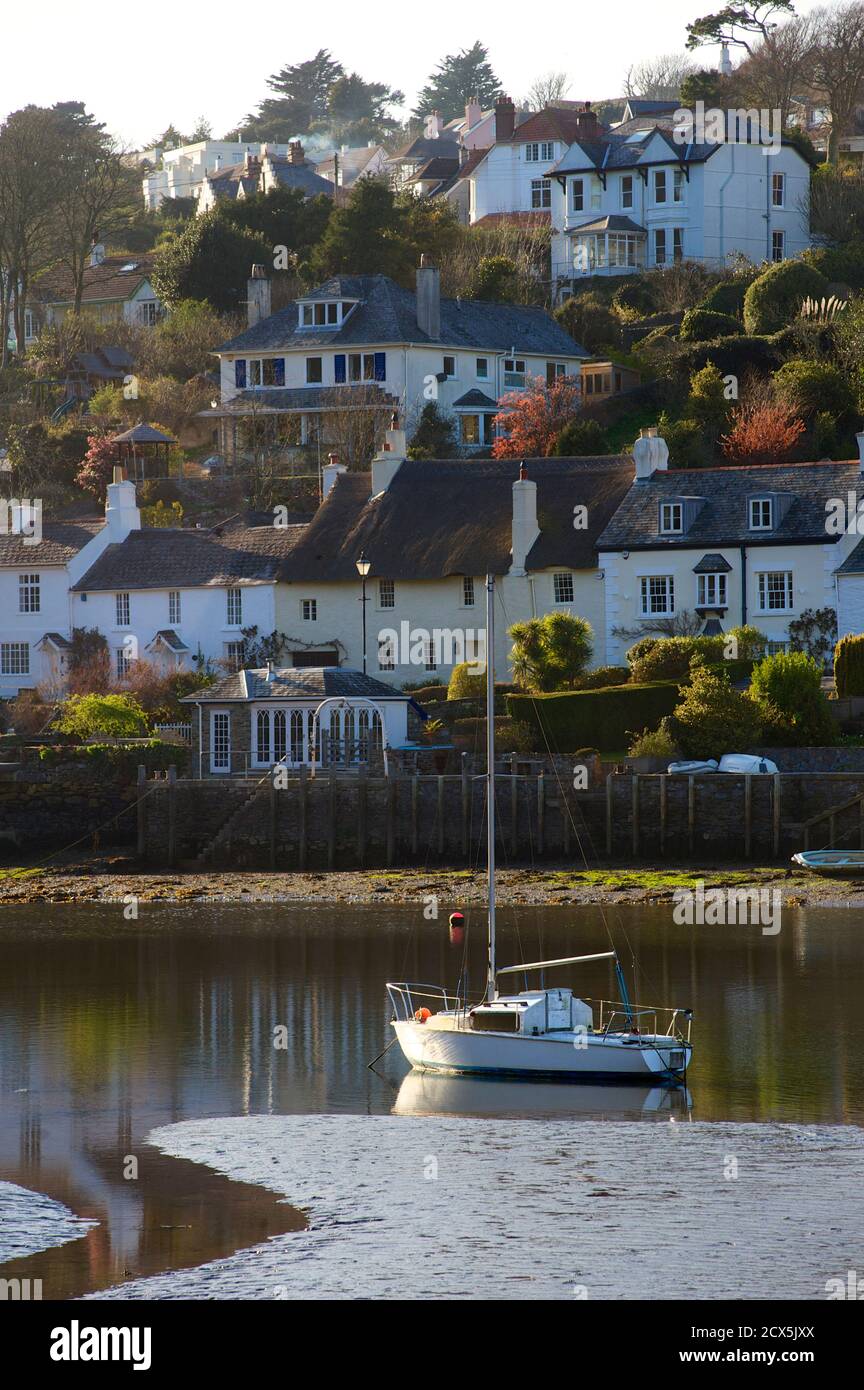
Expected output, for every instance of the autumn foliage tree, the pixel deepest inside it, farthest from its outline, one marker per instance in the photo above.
(530, 421)
(763, 432)
(96, 471)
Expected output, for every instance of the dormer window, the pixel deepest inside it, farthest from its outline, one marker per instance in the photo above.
(671, 518)
(326, 313)
(761, 513)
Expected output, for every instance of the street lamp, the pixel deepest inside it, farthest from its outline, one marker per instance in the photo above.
(363, 568)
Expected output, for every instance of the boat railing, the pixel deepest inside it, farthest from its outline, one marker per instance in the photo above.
(616, 1017)
(407, 999)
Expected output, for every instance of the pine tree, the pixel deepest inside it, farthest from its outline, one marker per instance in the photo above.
(301, 99)
(458, 78)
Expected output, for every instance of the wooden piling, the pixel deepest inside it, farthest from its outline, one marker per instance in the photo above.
(748, 816)
(415, 817)
(331, 820)
(142, 810)
(440, 816)
(777, 813)
(362, 804)
(664, 808)
(609, 777)
(302, 817)
(541, 812)
(634, 813)
(172, 816)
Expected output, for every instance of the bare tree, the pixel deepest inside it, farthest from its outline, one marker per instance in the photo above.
(659, 78)
(95, 184)
(27, 194)
(547, 90)
(837, 66)
(778, 68)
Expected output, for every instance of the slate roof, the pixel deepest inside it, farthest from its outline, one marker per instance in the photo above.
(109, 280)
(171, 640)
(854, 562)
(478, 399)
(712, 564)
(143, 434)
(291, 682)
(301, 176)
(60, 541)
(723, 519)
(423, 148)
(387, 314)
(172, 558)
(280, 398)
(439, 169)
(614, 222)
(455, 517)
(616, 151)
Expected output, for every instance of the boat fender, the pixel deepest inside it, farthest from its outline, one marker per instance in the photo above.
(422, 1014)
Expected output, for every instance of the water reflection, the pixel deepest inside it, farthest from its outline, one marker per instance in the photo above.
(109, 1028)
(423, 1093)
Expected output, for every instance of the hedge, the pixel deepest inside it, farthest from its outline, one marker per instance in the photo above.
(602, 718)
(775, 298)
(122, 761)
(849, 665)
(726, 298)
(701, 325)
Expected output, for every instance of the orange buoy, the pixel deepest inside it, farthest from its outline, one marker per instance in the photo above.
(422, 1014)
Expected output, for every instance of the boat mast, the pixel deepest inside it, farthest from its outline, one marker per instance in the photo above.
(491, 990)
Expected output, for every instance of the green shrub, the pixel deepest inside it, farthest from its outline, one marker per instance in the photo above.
(698, 325)
(731, 356)
(713, 718)
(775, 298)
(588, 319)
(581, 438)
(119, 760)
(511, 736)
(669, 658)
(750, 643)
(604, 676)
(788, 687)
(635, 298)
(653, 743)
(686, 440)
(727, 297)
(807, 387)
(839, 264)
(602, 718)
(466, 684)
(849, 665)
(117, 716)
(639, 649)
(551, 653)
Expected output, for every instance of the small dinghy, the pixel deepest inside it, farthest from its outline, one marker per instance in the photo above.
(842, 863)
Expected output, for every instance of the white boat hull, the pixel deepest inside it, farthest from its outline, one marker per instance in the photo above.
(564, 1057)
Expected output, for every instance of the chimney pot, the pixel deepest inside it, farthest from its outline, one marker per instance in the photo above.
(505, 118)
(650, 454)
(428, 298)
(258, 304)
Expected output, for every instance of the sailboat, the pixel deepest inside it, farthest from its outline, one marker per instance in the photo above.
(535, 1034)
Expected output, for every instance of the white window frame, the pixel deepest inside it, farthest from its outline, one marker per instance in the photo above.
(778, 187)
(660, 240)
(671, 518)
(469, 598)
(678, 186)
(174, 607)
(765, 590)
(541, 194)
(755, 517)
(711, 589)
(653, 588)
(778, 246)
(386, 593)
(627, 191)
(309, 610)
(122, 662)
(29, 593)
(233, 655)
(577, 195)
(563, 589)
(122, 610)
(450, 375)
(15, 658)
(233, 607)
(659, 182)
(385, 650)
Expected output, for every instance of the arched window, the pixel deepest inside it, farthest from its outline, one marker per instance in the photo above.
(298, 741)
(377, 732)
(349, 752)
(278, 735)
(262, 736)
(335, 735)
(363, 735)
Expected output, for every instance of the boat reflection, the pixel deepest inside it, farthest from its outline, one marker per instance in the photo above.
(424, 1093)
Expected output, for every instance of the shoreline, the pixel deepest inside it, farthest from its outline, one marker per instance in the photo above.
(114, 879)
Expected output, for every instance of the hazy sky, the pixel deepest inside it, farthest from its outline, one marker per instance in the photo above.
(171, 60)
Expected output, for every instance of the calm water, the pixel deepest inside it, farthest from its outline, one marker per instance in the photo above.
(110, 1028)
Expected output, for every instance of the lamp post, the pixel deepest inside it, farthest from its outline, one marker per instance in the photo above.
(363, 568)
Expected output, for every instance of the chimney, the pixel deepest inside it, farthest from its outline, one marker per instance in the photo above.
(388, 461)
(329, 474)
(524, 526)
(650, 454)
(433, 125)
(257, 296)
(725, 61)
(97, 252)
(121, 507)
(587, 124)
(505, 118)
(473, 112)
(217, 164)
(429, 298)
(295, 152)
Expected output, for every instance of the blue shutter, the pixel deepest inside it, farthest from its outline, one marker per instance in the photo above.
(380, 366)
(278, 371)
(339, 367)
(240, 373)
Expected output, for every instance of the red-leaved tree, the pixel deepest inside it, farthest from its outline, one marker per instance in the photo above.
(96, 470)
(763, 432)
(530, 421)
